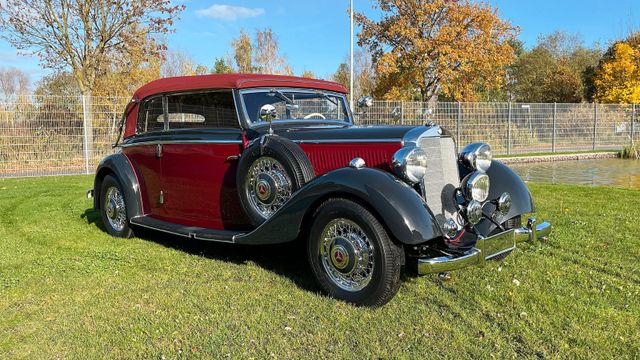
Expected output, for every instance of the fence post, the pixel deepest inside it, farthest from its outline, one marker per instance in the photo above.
(459, 123)
(595, 123)
(633, 121)
(553, 134)
(509, 130)
(401, 112)
(87, 131)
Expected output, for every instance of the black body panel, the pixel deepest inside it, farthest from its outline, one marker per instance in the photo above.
(401, 209)
(323, 132)
(118, 165)
(502, 179)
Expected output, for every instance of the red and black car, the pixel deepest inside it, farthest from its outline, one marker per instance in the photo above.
(265, 159)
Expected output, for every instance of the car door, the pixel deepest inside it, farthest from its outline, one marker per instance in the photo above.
(199, 159)
(142, 152)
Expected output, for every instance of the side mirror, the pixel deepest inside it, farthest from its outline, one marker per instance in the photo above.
(365, 101)
(268, 113)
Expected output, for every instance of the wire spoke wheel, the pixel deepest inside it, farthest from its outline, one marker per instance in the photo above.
(268, 185)
(115, 208)
(346, 254)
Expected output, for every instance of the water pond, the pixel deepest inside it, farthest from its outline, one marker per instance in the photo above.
(610, 172)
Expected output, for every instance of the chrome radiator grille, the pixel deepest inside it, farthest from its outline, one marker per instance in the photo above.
(442, 177)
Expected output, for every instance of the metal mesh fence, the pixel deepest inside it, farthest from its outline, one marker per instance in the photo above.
(52, 135)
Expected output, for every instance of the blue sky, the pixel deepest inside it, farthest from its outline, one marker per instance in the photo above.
(314, 35)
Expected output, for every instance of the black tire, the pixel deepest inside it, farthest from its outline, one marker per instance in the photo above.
(387, 255)
(293, 159)
(514, 222)
(110, 182)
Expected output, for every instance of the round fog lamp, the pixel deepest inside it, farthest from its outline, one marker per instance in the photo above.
(474, 212)
(504, 203)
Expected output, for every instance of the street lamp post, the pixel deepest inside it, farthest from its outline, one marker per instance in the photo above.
(351, 55)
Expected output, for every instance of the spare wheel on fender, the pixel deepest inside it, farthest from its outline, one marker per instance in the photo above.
(269, 171)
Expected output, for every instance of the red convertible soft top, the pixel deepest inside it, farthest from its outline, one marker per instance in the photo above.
(233, 81)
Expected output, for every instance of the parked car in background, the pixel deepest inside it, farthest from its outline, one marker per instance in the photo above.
(265, 159)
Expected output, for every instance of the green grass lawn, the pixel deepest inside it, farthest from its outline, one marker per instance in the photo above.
(68, 290)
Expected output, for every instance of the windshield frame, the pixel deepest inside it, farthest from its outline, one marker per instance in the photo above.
(339, 96)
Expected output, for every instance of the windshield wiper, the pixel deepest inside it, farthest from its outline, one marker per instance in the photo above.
(282, 96)
(332, 100)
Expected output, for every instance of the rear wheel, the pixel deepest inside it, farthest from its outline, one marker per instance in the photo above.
(351, 255)
(113, 208)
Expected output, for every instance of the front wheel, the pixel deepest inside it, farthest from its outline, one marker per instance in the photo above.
(113, 209)
(351, 255)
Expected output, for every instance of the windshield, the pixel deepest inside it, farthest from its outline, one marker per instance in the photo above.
(296, 104)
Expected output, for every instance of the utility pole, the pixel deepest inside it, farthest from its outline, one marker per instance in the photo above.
(351, 55)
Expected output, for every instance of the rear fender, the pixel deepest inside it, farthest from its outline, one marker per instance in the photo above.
(399, 207)
(119, 166)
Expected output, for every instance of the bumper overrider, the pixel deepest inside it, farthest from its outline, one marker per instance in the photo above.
(486, 248)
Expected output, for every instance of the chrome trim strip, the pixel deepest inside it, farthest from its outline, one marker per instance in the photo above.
(156, 142)
(132, 220)
(214, 240)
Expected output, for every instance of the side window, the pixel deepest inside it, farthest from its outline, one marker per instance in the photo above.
(150, 116)
(202, 110)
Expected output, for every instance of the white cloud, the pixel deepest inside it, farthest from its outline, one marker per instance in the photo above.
(229, 12)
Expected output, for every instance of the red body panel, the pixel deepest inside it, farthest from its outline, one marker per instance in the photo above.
(328, 156)
(197, 181)
(149, 173)
(200, 185)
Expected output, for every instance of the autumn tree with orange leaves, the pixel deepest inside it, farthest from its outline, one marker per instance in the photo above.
(455, 48)
(87, 38)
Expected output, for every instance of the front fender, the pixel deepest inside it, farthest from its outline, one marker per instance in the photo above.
(399, 207)
(503, 179)
(118, 165)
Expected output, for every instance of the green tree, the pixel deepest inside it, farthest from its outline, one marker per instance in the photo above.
(342, 75)
(558, 69)
(220, 66)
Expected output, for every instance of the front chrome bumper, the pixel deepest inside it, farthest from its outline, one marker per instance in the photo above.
(486, 248)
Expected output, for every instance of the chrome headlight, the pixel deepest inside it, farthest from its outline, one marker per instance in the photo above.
(475, 186)
(410, 163)
(476, 156)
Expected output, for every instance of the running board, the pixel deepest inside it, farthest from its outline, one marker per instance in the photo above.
(192, 232)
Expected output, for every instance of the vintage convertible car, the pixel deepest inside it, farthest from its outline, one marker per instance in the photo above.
(264, 159)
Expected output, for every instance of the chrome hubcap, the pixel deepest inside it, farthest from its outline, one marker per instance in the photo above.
(346, 254)
(268, 185)
(115, 209)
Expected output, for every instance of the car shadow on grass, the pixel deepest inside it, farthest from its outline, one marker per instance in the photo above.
(288, 260)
